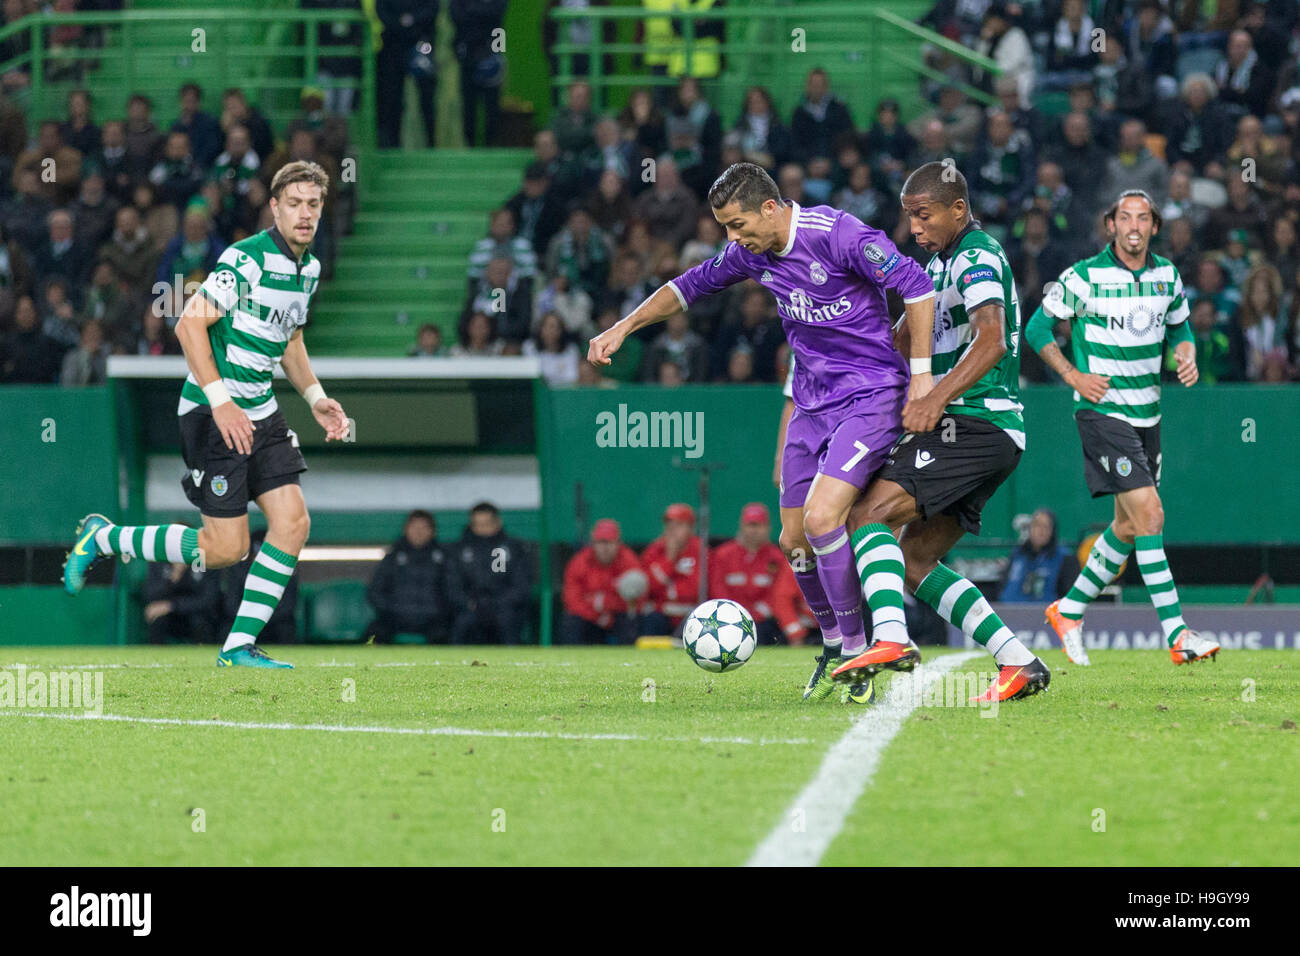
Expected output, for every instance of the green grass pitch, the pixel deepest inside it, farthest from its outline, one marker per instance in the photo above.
(559, 756)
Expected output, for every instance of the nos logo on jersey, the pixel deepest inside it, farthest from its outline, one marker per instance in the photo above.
(1138, 322)
(287, 319)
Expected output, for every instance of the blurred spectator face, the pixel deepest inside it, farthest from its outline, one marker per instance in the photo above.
(302, 145)
(1236, 249)
(790, 181)
(1082, 98)
(233, 102)
(860, 178)
(1035, 228)
(1196, 93)
(56, 295)
(1180, 233)
(1040, 530)
(950, 98)
(607, 319)
(484, 523)
(667, 179)
(113, 134)
(25, 314)
(688, 91)
(993, 26)
(498, 272)
(606, 133)
(1072, 10)
(92, 189)
(580, 224)
(1238, 192)
(934, 137)
(755, 102)
(677, 533)
(137, 111)
(1239, 47)
(127, 221)
(611, 185)
(816, 86)
(641, 105)
(753, 307)
(1077, 129)
(1249, 131)
(1260, 293)
(819, 167)
(708, 230)
(142, 197)
(78, 106)
(740, 365)
(670, 373)
(551, 332)
(237, 142)
(257, 194)
(1008, 93)
(536, 188)
(1148, 17)
(429, 339)
(1180, 186)
(48, 140)
(189, 100)
(1283, 233)
(479, 330)
(627, 272)
(419, 531)
(502, 225)
(677, 325)
(1132, 135)
(195, 226)
(848, 156)
(732, 154)
(1203, 315)
(755, 534)
(1209, 277)
(605, 551)
(177, 148)
(28, 184)
(638, 238)
(545, 148)
(887, 115)
(92, 336)
(579, 97)
(667, 268)
(60, 226)
(1000, 128)
(103, 275)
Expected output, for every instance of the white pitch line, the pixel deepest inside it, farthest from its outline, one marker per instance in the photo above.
(847, 769)
(418, 731)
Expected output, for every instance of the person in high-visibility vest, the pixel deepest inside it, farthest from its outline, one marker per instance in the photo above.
(665, 50)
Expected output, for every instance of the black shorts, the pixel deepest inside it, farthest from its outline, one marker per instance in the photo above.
(956, 477)
(221, 481)
(1116, 455)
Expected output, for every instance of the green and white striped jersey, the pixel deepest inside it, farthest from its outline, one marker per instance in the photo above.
(976, 272)
(1118, 321)
(263, 294)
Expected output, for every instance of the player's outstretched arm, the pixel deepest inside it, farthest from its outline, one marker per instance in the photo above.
(1038, 333)
(192, 332)
(327, 411)
(988, 323)
(662, 303)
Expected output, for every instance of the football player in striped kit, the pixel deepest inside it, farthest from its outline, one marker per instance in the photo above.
(245, 321)
(1123, 305)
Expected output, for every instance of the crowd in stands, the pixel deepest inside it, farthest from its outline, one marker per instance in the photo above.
(108, 224)
(1201, 110)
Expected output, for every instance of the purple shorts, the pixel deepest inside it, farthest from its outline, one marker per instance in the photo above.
(849, 443)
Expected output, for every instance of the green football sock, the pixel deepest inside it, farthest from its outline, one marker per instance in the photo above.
(880, 569)
(1107, 556)
(961, 604)
(155, 542)
(1159, 580)
(263, 589)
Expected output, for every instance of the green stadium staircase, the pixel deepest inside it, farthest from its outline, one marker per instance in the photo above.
(404, 264)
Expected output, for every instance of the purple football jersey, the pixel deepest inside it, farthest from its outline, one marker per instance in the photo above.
(829, 282)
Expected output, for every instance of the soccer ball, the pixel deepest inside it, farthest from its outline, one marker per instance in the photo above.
(719, 635)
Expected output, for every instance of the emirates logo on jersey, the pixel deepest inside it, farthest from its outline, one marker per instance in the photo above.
(802, 308)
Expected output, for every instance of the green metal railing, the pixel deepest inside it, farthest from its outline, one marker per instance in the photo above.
(270, 54)
(869, 51)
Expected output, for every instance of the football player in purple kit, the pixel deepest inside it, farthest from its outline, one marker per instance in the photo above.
(829, 273)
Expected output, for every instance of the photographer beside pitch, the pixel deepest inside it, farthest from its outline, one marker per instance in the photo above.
(1123, 304)
(246, 320)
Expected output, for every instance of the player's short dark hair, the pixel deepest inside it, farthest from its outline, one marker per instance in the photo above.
(485, 508)
(745, 183)
(942, 182)
(419, 514)
(1156, 219)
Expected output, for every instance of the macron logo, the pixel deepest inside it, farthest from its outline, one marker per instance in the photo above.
(102, 909)
(924, 458)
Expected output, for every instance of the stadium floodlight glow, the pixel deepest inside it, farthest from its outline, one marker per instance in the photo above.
(340, 553)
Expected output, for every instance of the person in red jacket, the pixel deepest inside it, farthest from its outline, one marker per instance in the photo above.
(753, 571)
(672, 563)
(599, 582)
